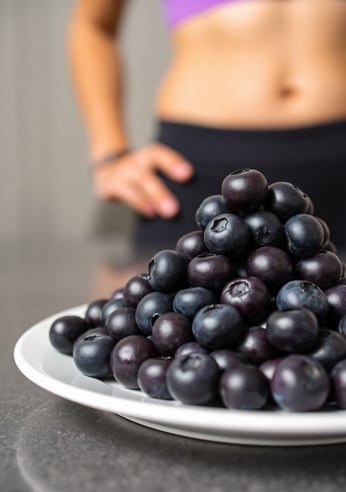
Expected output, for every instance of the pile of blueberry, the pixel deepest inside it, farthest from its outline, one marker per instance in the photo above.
(248, 311)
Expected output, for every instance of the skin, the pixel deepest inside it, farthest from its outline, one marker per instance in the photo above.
(253, 64)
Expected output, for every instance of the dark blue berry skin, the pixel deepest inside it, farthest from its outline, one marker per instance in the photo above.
(189, 301)
(245, 190)
(210, 271)
(101, 330)
(326, 231)
(209, 208)
(91, 355)
(127, 357)
(151, 378)
(300, 384)
(268, 367)
(226, 359)
(323, 269)
(109, 308)
(249, 295)
(304, 235)
(191, 245)
(338, 380)
(65, 330)
(122, 323)
(150, 308)
(265, 228)
(135, 289)
(271, 265)
(329, 349)
(93, 313)
(227, 234)
(170, 331)
(341, 327)
(285, 200)
(217, 326)
(193, 379)
(298, 294)
(190, 348)
(167, 271)
(254, 346)
(294, 330)
(118, 293)
(244, 387)
(336, 298)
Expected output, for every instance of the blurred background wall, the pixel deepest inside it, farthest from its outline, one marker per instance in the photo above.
(45, 186)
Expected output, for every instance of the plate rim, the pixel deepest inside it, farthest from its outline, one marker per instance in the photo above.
(278, 424)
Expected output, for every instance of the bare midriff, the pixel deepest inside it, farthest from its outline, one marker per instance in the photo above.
(258, 64)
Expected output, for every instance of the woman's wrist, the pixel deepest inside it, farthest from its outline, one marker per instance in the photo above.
(108, 158)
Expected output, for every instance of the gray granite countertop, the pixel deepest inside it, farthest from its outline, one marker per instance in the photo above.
(50, 444)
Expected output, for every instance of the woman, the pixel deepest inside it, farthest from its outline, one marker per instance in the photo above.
(252, 83)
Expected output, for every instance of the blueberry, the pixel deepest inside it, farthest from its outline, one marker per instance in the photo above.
(191, 245)
(341, 327)
(302, 294)
(108, 308)
(338, 379)
(210, 271)
(323, 269)
(336, 298)
(136, 288)
(329, 349)
(244, 387)
(227, 234)
(193, 379)
(254, 346)
(209, 208)
(167, 271)
(122, 323)
(151, 378)
(217, 326)
(91, 354)
(285, 200)
(190, 348)
(326, 231)
(127, 356)
(300, 384)
(170, 331)
(249, 295)
(65, 330)
(189, 301)
(304, 235)
(294, 330)
(150, 308)
(245, 189)
(93, 313)
(268, 367)
(265, 228)
(226, 358)
(118, 293)
(271, 265)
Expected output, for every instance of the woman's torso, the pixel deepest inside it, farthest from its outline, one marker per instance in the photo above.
(258, 63)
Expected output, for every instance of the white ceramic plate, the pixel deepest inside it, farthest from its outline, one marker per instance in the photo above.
(47, 368)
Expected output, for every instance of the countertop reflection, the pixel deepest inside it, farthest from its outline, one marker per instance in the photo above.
(49, 444)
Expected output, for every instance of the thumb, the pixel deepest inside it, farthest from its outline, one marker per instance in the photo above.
(171, 163)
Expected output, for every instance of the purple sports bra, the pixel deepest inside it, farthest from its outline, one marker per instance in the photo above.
(177, 10)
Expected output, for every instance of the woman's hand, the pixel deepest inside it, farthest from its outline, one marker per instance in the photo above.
(133, 180)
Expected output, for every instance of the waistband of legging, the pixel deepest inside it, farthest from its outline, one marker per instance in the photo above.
(164, 125)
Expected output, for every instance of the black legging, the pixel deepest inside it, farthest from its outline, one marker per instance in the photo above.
(313, 158)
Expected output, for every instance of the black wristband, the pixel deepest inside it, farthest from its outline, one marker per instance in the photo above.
(109, 158)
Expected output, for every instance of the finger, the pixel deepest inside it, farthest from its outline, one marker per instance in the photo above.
(159, 196)
(134, 197)
(171, 163)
